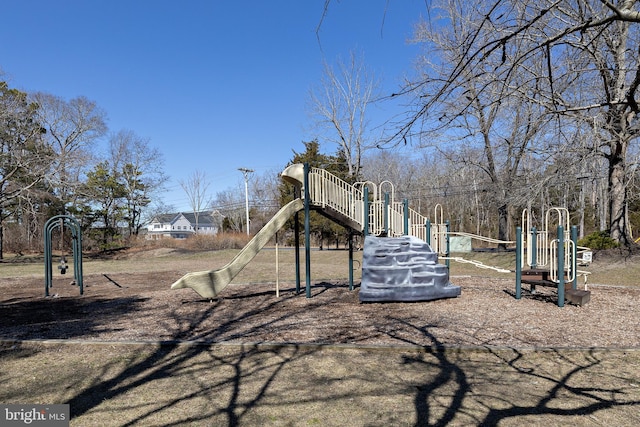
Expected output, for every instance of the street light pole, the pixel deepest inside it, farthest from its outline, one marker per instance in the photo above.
(246, 173)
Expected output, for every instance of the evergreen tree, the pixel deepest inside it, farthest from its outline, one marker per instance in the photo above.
(105, 189)
(322, 228)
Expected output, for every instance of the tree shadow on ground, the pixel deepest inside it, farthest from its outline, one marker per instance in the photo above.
(585, 399)
(559, 395)
(62, 318)
(171, 360)
(209, 384)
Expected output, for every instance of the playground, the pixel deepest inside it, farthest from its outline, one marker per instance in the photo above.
(127, 299)
(253, 347)
(313, 361)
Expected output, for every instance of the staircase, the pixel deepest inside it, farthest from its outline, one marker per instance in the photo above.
(344, 203)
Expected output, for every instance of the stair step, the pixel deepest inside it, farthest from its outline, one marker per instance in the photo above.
(577, 296)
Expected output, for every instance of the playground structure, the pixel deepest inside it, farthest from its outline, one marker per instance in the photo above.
(50, 225)
(346, 204)
(552, 258)
(364, 209)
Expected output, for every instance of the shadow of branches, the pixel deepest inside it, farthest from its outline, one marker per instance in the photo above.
(517, 384)
(249, 358)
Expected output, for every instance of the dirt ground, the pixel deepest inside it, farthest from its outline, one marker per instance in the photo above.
(142, 307)
(131, 351)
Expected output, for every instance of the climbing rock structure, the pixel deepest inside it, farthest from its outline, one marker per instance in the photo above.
(403, 268)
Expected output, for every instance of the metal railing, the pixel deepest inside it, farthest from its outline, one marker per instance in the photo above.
(540, 247)
(327, 190)
(385, 214)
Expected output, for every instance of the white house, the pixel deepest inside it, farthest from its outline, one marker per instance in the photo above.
(183, 225)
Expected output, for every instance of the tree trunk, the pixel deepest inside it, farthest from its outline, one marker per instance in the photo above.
(1, 237)
(619, 228)
(503, 224)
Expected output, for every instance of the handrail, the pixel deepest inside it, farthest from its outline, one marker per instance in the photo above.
(327, 190)
(372, 185)
(479, 264)
(479, 237)
(568, 264)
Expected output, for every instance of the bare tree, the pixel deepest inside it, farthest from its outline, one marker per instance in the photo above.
(340, 104)
(231, 204)
(264, 192)
(71, 129)
(140, 168)
(196, 187)
(487, 120)
(588, 52)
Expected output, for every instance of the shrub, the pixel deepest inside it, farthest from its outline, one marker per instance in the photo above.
(217, 242)
(200, 242)
(598, 240)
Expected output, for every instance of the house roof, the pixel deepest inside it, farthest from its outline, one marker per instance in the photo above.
(206, 218)
(164, 218)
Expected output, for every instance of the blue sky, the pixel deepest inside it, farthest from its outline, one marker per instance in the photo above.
(214, 85)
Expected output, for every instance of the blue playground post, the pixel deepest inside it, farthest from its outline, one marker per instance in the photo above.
(574, 256)
(366, 211)
(296, 232)
(448, 261)
(350, 260)
(427, 226)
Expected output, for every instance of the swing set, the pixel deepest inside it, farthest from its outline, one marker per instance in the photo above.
(50, 225)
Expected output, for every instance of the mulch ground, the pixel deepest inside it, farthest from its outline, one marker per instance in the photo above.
(142, 307)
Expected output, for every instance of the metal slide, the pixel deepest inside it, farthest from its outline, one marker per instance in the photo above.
(210, 283)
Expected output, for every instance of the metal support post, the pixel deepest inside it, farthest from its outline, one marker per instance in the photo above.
(518, 262)
(574, 256)
(350, 260)
(448, 253)
(307, 232)
(427, 226)
(366, 208)
(296, 227)
(560, 253)
(405, 202)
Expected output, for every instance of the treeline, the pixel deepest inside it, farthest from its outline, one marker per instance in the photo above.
(467, 198)
(50, 165)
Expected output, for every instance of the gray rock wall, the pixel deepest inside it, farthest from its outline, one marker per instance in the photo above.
(403, 269)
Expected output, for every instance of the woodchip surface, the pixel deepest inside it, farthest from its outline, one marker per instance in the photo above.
(141, 307)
